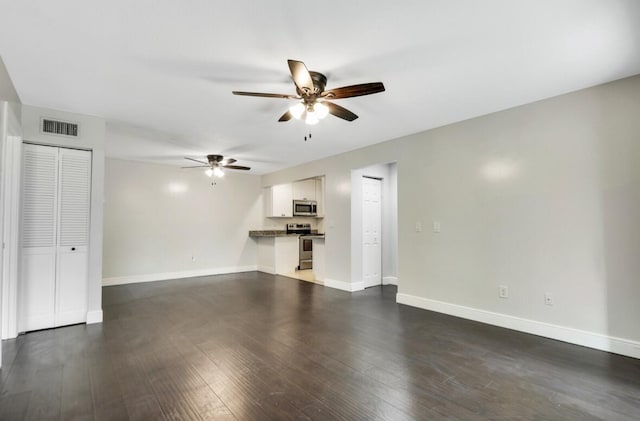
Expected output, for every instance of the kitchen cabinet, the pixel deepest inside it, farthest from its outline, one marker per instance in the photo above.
(319, 188)
(277, 255)
(278, 201)
(304, 190)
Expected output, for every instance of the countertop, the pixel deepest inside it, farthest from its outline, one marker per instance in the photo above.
(281, 233)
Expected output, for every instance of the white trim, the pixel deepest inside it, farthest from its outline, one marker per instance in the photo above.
(344, 286)
(152, 277)
(390, 280)
(12, 218)
(267, 269)
(94, 317)
(562, 333)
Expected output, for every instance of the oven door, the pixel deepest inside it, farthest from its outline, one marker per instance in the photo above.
(305, 253)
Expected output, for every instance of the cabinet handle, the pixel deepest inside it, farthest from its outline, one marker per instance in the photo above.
(73, 249)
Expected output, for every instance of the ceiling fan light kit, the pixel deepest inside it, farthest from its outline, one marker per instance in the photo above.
(314, 104)
(215, 164)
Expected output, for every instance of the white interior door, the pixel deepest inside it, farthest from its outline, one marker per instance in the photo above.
(38, 237)
(371, 231)
(74, 192)
(54, 237)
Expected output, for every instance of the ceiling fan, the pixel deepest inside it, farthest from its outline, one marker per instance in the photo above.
(215, 165)
(314, 104)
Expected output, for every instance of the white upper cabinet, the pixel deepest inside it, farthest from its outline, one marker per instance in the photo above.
(304, 190)
(319, 187)
(278, 201)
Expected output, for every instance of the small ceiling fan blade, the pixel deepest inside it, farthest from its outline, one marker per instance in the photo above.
(196, 166)
(235, 167)
(354, 90)
(227, 161)
(301, 76)
(197, 160)
(340, 112)
(286, 116)
(265, 95)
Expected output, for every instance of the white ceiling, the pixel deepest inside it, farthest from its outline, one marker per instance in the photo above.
(161, 72)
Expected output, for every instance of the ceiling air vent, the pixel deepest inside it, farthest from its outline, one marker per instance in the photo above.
(62, 128)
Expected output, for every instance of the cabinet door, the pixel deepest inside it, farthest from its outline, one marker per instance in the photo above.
(304, 190)
(74, 192)
(282, 200)
(38, 237)
(319, 185)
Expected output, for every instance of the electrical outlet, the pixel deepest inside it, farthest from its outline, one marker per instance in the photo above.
(418, 226)
(503, 291)
(548, 299)
(436, 226)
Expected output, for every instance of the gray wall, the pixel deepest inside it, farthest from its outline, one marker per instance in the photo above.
(158, 217)
(7, 90)
(541, 198)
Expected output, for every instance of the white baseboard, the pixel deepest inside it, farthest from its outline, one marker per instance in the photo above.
(344, 286)
(94, 317)
(267, 269)
(562, 333)
(390, 280)
(152, 277)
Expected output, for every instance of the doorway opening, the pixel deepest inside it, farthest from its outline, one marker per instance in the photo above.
(374, 226)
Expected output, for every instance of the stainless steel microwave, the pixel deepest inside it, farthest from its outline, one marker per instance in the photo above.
(305, 208)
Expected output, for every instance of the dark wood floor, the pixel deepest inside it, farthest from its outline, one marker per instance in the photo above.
(253, 347)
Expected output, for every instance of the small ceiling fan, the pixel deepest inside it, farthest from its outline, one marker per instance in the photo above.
(314, 104)
(215, 165)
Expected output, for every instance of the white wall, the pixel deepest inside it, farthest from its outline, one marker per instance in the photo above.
(11, 143)
(542, 198)
(91, 136)
(158, 217)
(9, 127)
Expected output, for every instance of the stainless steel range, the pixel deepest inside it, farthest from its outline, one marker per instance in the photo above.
(305, 245)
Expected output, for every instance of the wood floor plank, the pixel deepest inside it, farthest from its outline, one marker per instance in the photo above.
(76, 400)
(45, 398)
(14, 406)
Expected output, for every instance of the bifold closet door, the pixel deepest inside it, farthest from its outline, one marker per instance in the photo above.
(36, 309)
(74, 192)
(55, 237)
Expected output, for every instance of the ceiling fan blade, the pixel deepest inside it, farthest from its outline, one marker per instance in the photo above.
(286, 116)
(301, 76)
(340, 112)
(235, 167)
(196, 166)
(197, 160)
(265, 95)
(354, 90)
(227, 161)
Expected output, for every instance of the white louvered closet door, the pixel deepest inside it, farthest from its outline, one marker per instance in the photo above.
(74, 193)
(38, 254)
(55, 237)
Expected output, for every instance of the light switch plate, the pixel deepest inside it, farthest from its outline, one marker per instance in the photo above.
(436, 226)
